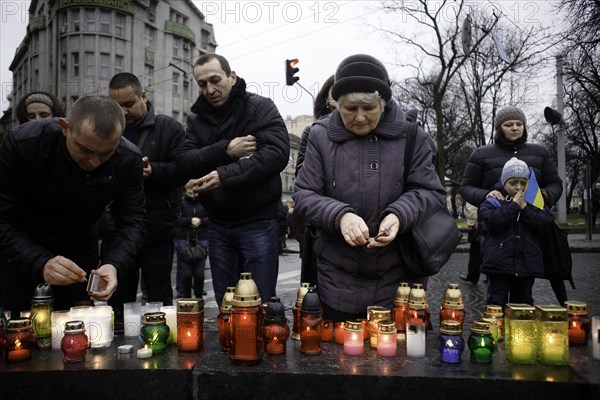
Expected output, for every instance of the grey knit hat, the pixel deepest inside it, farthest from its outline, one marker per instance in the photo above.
(514, 168)
(39, 98)
(361, 73)
(509, 113)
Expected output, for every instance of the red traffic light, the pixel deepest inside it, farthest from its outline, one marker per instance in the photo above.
(290, 71)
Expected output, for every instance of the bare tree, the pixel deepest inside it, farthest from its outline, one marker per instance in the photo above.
(462, 84)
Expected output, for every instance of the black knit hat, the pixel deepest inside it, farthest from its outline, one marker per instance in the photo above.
(361, 73)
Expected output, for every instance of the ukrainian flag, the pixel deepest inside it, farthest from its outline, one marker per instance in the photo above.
(533, 194)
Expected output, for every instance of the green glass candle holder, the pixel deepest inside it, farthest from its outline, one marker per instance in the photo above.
(481, 343)
(155, 332)
(521, 334)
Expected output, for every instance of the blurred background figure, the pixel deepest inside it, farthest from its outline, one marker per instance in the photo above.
(193, 229)
(39, 105)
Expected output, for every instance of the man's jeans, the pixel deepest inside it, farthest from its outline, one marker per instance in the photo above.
(251, 248)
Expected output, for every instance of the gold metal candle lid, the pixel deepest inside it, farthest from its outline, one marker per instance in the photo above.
(354, 325)
(377, 313)
(450, 327)
(74, 327)
(227, 299)
(492, 310)
(302, 290)
(453, 297)
(417, 298)
(576, 307)
(155, 318)
(402, 293)
(190, 306)
(386, 326)
(18, 324)
(246, 292)
(481, 327)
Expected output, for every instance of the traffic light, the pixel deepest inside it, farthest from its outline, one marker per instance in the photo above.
(290, 71)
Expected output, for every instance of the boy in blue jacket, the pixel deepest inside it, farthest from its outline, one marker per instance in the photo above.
(511, 229)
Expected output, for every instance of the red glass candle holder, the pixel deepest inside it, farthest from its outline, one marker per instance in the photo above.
(190, 325)
(327, 334)
(18, 340)
(580, 323)
(339, 332)
(75, 342)
(275, 327)
(246, 319)
(311, 328)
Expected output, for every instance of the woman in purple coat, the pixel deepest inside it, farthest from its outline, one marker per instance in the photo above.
(351, 188)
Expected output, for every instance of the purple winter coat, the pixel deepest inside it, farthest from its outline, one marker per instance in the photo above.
(343, 172)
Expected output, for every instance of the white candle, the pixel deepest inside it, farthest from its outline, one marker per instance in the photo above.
(171, 317)
(415, 339)
(153, 306)
(58, 327)
(144, 352)
(596, 337)
(83, 313)
(132, 319)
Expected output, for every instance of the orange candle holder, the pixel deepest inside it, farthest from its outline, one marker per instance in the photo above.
(580, 323)
(453, 307)
(18, 341)
(327, 334)
(339, 332)
(275, 327)
(400, 306)
(311, 325)
(190, 325)
(246, 319)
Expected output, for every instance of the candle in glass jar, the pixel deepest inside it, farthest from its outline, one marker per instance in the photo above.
(354, 338)
(18, 340)
(144, 352)
(59, 318)
(339, 332)
(596, 337)
(327, 334)
(415, 339)
(171, 317)
(579, 322)
(387, 345)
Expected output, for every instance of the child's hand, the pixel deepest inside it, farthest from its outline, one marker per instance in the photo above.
(519, 198)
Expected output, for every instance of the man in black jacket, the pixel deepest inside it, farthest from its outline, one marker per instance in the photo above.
(57, 178)
(236, 147)
(158, 137)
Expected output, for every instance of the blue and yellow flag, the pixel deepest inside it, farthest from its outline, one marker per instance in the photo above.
(533, 194)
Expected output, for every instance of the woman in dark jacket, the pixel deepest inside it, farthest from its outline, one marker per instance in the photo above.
(192, 228)
(481, 178)
(351, 188)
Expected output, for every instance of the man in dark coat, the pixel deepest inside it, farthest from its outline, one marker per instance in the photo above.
(236, 148)
(57, 178)
(159, 138)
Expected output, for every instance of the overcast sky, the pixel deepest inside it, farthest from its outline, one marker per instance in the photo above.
(257, 37)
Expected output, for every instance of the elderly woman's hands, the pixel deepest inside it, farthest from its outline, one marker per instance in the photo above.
(356, 233)
(388, 229)
(354, 229)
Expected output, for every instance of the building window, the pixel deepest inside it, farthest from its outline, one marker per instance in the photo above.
(149, 37)
(105, 18)
(175, 83)
(148, 72)
(104, 65)
(119, 62)
(74, 15)
(90, 20)
(176, 46)
(119, 24)
(75, 63)
(178, 17)
(90, 64)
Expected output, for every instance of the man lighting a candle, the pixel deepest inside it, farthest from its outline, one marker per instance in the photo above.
(58, 177)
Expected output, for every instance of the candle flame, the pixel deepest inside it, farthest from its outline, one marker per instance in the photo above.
(483, 342)
(189, 333)
(17, 344)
